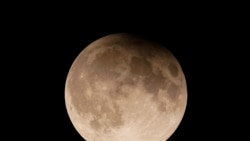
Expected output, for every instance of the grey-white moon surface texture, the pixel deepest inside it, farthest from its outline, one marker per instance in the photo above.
(125, 88)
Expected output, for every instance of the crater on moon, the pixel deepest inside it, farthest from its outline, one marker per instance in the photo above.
(123, 87)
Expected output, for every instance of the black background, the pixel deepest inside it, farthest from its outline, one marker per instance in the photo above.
(43, 45)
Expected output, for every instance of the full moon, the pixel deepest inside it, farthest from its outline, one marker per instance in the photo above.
(123, 87)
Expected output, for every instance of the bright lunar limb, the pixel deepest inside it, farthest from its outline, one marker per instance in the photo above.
(122, 87)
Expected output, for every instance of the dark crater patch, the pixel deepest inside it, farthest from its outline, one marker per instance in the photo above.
(173, 69)
(140, 66)
(154, 82)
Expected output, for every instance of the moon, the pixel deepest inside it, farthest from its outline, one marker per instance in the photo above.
(123, 87)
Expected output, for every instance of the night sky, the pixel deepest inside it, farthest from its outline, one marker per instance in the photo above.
(48, 44)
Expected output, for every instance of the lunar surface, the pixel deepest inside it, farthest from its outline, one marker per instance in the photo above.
(124, 88)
